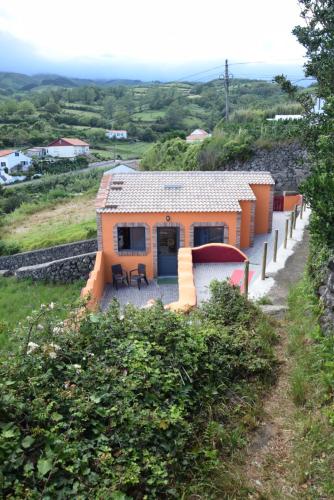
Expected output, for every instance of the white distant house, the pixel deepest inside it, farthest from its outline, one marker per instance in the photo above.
(117, 134)
(285, 117)
(318, 109)
(37, 152)
(198, 135)
(67, 147)
(14, 160)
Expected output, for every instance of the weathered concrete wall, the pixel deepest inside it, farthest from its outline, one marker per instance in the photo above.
(327, 297)
(62, 270)
(37, 257)
(287, 163)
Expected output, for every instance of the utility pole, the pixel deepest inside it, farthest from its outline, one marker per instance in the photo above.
(226, 85)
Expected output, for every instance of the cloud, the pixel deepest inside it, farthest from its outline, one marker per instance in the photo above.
(155, 32)
(21, 56)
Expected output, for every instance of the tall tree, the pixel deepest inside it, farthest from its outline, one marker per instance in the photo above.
(317, 36)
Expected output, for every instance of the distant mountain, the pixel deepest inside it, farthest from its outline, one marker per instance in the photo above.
(20, 81)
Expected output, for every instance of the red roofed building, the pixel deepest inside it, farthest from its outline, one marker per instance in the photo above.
(198, 135)
(67, 147)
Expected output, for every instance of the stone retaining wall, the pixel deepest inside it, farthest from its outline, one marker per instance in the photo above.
(61, 271)
(327, 297)
(37, 257)
(287, 163)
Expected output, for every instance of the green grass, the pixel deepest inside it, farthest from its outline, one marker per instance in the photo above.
(127, 150)
(79, 112)
(19, 297)
(149, 116)
(47, 235)
(311, 386)
(192, 122)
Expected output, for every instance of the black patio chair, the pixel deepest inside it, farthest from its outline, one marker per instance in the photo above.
(139, 274)
(119, 276)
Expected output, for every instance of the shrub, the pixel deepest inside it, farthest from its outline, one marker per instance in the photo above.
(126, 404)
(219, 150)
(9, 248)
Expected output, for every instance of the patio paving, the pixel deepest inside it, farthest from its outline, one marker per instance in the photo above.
(205, 273)
(131, 295)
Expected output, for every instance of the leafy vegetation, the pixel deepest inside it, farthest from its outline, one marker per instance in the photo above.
(18, 203)
(312, 384)
(36, 113)
(19, 297)
(143, 403)
(58, 166)
(316, 35)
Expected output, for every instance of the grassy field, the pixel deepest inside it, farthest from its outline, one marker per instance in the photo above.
(19, 297)
(127, 150)
(149, 116)
(59, 223)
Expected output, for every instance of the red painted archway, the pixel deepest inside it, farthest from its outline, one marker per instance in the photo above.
(217, 252)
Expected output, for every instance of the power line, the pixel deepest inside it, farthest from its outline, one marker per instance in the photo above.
(277, 61)
(199, 73)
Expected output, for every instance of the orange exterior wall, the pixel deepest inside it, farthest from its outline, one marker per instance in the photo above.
(262, 209)
(186, 219)
(187, 291)
(290, 201)
(95, 284)
(246, 224)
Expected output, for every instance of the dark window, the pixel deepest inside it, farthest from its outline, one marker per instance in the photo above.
(3, 163)
(131, 238)
(210, 234)
(17, 154)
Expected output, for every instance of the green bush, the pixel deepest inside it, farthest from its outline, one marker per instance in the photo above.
(49, 188)
(9, 248)
(221, 149)
(59, 166)
(135, 403)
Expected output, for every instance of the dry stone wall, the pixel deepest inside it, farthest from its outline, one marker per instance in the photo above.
(287, 163)
(61, 271)
(36, 257)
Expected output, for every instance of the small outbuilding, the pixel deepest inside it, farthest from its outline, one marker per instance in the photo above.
(147, 216)
(198, 135)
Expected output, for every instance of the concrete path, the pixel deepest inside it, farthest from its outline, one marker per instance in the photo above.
(205, 273)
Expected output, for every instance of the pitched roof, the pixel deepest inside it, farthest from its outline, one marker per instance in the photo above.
(68, 141)
(197, 135)
(5, 152)
(199, 131)
(171, 191)
(121, 169)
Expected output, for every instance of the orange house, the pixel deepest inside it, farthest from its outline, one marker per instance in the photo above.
(145, 217)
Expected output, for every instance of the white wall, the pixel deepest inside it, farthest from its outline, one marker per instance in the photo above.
(111, 134)
(14, 160)
(67, 151)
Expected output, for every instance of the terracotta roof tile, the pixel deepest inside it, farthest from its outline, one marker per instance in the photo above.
(5, 152)
(178, 191)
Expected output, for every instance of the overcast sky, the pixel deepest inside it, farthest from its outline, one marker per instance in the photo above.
(169, 36)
